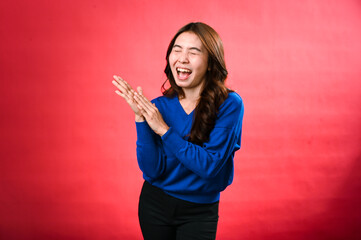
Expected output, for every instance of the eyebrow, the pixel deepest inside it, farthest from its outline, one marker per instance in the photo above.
(191, 48)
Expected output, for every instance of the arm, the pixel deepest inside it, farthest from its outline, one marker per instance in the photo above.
(207, 160)
(149, 152)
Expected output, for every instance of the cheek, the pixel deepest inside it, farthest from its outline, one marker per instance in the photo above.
(202, 65)
(172, 59)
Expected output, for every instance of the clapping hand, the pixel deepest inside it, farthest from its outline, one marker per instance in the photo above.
(127, 93)
(151, 113)
(144, 110)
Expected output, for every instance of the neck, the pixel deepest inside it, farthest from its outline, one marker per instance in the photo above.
(190, 100)
(192, 94)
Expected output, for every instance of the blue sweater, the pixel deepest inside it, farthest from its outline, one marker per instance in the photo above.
(185, 170)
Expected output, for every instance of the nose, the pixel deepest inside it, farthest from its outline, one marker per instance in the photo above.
(183, 57)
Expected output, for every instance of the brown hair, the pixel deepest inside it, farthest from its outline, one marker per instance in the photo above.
(214, 91)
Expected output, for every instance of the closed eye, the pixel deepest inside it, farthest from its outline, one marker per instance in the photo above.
(177, 48)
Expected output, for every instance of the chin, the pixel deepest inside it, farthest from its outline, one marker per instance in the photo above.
(181, 84)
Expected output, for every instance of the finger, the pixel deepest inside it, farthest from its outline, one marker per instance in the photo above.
(149, 104)
(120, 87)
(125, 97)
(116, 77)
(144, 113)
(121, 82)
(127, 84)
(141, 102)
(142, 97)
(124, 91)
(123, 87)
(141, 109)
(133, 92)
(120, 94)
(149, 110)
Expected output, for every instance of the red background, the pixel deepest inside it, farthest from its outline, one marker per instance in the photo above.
(68, 168)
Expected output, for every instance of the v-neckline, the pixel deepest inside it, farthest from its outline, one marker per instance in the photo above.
(180, 105)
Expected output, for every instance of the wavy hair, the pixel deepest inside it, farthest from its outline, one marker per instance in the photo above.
(214, 91)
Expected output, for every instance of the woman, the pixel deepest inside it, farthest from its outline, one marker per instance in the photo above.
(186, 138)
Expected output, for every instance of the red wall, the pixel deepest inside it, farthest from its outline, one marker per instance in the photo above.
(67, 156)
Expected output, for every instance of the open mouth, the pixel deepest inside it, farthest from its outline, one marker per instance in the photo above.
(183, 73)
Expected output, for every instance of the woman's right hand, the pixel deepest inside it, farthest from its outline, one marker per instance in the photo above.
(127, 92)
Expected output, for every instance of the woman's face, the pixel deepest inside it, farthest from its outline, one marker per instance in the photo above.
(188, 61)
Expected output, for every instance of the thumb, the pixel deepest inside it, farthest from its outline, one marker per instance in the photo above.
(140, 90)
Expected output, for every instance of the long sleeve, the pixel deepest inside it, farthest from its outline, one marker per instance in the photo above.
(207, 160)
(149, 154)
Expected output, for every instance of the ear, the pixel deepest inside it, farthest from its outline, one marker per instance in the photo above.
(210, 64)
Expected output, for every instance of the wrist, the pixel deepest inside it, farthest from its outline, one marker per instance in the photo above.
(163, 131)
(139, 118)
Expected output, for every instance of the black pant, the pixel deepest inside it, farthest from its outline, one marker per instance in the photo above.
(165, 217)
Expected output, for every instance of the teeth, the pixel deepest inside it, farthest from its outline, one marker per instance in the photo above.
(183, 70)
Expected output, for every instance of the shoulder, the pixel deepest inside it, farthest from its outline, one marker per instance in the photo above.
(230, 113)
(162, 99)
(233, 103)
(234, 98)
(163, 103)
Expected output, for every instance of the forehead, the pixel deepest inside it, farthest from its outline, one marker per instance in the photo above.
(188, 39)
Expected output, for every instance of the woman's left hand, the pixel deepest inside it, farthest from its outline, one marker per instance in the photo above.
(151, 113)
